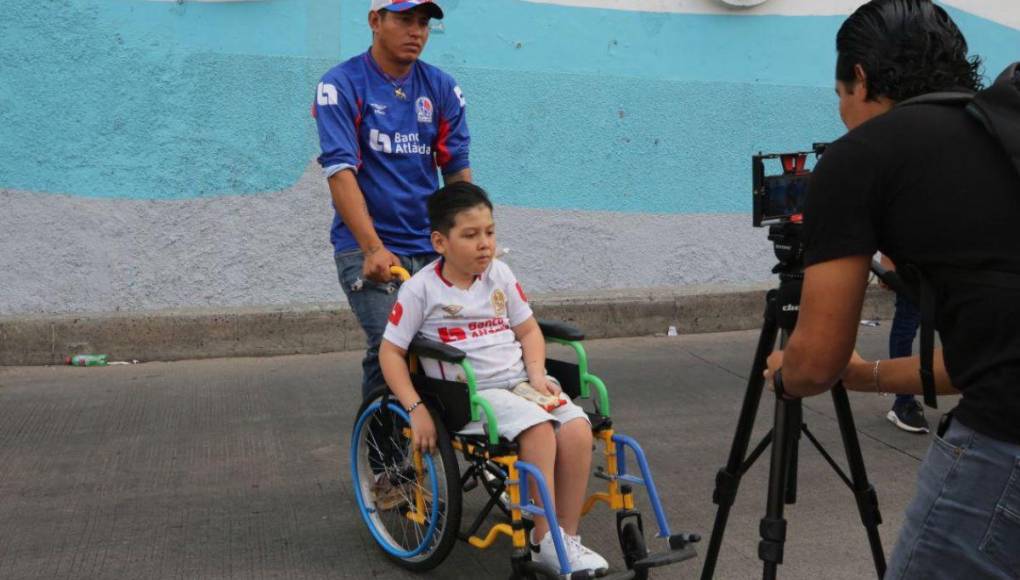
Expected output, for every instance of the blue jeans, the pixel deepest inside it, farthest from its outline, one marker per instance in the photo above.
(371, 303)
(964, 522)
(905, 321)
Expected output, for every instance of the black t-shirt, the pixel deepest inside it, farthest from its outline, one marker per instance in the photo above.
(927, 185)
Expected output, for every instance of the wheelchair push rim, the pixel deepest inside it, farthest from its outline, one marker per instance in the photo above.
(417, 540)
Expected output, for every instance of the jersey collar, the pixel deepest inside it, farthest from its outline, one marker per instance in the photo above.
(379, 71)
(439, 272)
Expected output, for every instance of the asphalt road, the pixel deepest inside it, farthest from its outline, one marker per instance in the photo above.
(238, 468)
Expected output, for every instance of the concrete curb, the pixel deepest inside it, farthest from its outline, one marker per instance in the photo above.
(313, 329)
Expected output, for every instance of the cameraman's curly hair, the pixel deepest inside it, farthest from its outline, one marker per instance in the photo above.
(906, 48)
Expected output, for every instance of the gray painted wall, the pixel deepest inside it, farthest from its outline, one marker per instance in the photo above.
(64, 254)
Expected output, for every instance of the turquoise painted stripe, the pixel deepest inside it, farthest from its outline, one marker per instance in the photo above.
(588, 109)
(583, 142)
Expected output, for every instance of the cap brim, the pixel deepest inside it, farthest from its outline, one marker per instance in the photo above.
(431, 7)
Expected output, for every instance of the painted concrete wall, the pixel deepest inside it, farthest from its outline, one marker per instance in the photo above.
(160, 154)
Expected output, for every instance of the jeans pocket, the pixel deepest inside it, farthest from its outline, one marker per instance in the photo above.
(1002, 541)
(349, 266)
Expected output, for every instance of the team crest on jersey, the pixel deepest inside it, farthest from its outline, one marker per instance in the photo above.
(499, 302)
(452, 310)
(424, 108)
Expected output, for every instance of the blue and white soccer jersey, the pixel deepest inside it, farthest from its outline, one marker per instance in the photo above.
(478, 321)
(394, 133)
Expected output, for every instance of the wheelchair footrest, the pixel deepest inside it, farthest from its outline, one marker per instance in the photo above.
(666, 558)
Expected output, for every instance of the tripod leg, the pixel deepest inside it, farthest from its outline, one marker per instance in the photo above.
(794, 421)
(773, 526)
(727, 480)
(864, 492)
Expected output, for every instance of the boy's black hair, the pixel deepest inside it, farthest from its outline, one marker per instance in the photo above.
(448, 201)
(907, 48)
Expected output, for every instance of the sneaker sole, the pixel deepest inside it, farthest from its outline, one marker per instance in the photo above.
(901, 425)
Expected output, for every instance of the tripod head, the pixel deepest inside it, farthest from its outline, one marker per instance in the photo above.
(788, 246)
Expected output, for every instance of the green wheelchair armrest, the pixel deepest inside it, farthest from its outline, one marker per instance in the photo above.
(565, 334)
(431, 349)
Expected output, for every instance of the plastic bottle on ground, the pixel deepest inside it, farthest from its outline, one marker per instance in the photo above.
(87, 360)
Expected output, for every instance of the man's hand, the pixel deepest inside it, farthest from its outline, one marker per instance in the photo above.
(775, 362)
(423, 430)
(377, 265)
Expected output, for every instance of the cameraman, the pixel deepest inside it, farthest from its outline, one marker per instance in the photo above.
(928, 186)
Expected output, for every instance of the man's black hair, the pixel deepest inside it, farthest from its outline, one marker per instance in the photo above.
(906, 48)
(448, 201)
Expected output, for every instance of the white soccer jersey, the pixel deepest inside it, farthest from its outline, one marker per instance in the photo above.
(478, 321)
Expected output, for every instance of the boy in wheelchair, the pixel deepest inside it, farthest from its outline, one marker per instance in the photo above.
(470, 300)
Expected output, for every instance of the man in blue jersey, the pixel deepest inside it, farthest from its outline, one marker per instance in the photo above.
(388, 125)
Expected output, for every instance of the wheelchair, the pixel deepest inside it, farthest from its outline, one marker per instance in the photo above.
(420, 525)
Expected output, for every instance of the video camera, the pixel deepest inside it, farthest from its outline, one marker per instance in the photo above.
(779, 203)
(779, 199)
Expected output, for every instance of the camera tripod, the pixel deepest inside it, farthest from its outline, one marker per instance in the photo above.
(781, 309)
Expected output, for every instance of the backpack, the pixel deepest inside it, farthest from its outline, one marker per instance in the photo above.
(997, 108)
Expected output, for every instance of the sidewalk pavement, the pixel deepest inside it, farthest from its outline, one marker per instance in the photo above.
(238, 468)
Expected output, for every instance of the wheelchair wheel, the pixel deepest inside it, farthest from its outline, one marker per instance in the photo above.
(387, 486)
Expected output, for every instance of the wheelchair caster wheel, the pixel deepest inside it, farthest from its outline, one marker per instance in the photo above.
(634, 549)
(531, 570)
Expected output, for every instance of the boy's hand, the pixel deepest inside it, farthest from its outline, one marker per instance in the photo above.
(423, 430)
(543, 385)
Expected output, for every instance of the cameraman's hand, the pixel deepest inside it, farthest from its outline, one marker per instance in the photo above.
(423, 430)
(775, 362)
(377, 265)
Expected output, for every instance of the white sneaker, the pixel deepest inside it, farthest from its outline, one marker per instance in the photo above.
(579, 556)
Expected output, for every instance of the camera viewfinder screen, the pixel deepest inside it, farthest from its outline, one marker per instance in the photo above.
(784, 195)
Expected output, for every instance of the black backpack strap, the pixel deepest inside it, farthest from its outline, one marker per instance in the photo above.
(952, 98)
(998, 108)
(929, 281)
(926, 305)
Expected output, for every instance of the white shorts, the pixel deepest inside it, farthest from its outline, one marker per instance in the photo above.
(515, 414)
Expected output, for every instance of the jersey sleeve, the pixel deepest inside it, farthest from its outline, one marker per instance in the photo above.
(337, 115)
(406, 317)
(517, 308)
(454, 140)
(842, 213)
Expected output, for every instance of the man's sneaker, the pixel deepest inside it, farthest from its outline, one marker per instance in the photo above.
(578, 556)
(909, 416)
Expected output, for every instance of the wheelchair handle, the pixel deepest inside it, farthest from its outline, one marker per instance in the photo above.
(401, 273)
